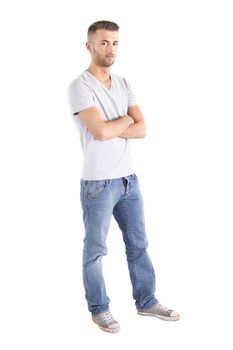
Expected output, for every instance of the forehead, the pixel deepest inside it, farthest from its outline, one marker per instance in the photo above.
(101, 34)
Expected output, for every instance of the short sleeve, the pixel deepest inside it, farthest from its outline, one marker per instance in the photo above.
(80, 96)
(131, 95)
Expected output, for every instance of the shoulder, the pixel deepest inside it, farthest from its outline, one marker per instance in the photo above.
(79, 84)
(78, 81)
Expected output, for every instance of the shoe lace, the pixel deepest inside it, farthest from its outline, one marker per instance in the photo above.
(161, 307)
(107, 317)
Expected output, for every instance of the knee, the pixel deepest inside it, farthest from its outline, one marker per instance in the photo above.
(93, 254)
(136, 252)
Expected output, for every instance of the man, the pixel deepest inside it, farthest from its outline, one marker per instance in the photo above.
(108, 118)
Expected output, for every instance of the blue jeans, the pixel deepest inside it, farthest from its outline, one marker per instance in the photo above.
(121, 198)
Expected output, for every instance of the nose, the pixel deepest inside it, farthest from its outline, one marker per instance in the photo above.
(111, 48)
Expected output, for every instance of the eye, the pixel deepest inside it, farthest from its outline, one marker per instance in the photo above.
(115, 44)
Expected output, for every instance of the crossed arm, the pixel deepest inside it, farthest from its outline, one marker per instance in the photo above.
(131, 125)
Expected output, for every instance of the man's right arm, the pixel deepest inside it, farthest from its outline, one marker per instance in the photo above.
(103, 130)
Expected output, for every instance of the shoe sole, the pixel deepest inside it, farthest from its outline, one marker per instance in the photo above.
(164, 318)
(108, 330)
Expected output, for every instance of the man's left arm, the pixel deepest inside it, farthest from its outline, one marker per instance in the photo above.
(138, 129)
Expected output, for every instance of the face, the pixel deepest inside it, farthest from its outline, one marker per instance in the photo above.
(103, 47)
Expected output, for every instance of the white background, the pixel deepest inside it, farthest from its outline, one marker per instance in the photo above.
(178, 56)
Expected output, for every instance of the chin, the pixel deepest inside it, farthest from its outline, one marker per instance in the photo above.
(107, 65)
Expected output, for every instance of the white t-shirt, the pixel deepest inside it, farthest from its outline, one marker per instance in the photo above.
(102, 159)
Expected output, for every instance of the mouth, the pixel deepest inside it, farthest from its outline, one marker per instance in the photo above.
(110, 56)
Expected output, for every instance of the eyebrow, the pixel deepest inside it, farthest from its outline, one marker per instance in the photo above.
(107, 41)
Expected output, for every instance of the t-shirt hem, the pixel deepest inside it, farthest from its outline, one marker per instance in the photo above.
(109, 177)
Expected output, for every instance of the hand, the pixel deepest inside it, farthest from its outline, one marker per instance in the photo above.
(131, 120)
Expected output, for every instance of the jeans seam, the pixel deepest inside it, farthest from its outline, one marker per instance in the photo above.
(134, 263)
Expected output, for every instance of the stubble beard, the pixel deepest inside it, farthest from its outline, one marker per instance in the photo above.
(102, 62)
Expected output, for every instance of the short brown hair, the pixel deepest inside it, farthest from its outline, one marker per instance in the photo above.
(104, 25)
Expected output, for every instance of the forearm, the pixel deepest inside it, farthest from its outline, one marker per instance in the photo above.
(115, 128)
(136, 130)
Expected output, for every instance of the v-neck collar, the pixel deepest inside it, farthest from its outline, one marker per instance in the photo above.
(100, 82)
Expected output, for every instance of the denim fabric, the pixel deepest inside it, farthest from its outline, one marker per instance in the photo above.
(121, 198)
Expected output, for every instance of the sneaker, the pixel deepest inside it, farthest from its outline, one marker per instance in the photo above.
(106, 322)
(160, 311)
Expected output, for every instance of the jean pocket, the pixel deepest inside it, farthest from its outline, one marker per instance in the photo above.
(96, 188)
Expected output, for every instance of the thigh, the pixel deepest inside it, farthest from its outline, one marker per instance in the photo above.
(129, 214)
(97, 205)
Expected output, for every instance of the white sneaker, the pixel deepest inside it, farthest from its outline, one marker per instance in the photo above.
(106, 322)
(160, 311)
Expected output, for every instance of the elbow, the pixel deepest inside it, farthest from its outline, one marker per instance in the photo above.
(143, 132)
(101, 135)
(101, 138)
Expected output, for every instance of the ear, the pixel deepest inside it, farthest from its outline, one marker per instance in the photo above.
(88, 46)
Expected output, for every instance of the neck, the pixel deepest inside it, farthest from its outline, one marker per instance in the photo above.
(100, 73)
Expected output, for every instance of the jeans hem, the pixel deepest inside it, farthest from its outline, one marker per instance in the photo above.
(99, 311)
